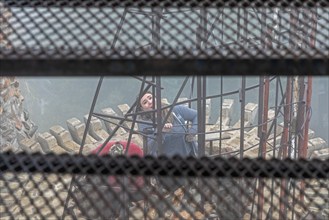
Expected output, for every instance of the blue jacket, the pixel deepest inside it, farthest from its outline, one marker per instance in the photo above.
(173, 142)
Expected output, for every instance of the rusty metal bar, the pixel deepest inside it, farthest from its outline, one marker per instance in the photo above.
(260, 105)
(314, 23)
(274, 135)
(306, 127)
(263, 146)
(300, 114)
(293, 27)
(284, 147)
(308, 97)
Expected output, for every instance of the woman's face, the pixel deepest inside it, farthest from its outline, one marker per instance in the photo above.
(147, 102)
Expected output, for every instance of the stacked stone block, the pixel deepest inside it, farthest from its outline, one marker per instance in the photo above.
(318, 148)
(227, 109)
(49, 144)
(77, 129)
(30, 145)
(64, 139)
(96, 129)
(111, 126)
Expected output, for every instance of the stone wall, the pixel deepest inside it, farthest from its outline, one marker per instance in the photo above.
(16, 125)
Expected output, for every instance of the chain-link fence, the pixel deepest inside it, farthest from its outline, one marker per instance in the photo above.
(168, 37)
(40, 186)
(126, 37)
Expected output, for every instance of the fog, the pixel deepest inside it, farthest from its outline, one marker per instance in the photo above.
(53, 100)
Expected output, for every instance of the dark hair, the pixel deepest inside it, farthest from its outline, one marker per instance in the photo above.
(150, 115)
(146, 116)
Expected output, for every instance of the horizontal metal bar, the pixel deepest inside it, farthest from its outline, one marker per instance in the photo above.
(181, 3)
(190, 167)
(79, 67)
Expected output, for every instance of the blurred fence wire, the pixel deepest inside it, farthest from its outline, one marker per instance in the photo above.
(289, 37)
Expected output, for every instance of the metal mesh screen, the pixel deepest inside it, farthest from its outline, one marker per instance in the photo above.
(38, 186)
(156, 36)
(163, 37)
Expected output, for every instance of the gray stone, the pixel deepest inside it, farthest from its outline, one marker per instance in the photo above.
(316, 144)
(76, 129)
(227, 107)
(250, 112)
(225, 122)
(123, 111)
(111, 126)
(60, 134)
(96, 129)
(320, 154)
(165, 101)
(46, 141)
(64, 139)
(30, 145)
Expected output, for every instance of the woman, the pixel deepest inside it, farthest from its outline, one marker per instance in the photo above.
(177, 139)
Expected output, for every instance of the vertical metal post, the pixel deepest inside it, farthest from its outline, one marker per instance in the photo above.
(275, 121)
(308, 98)
(300, 123)
(263, 27)
(239, 24)
(260, 105)
(204, 105)
(203, 27)
(158, 114)
(300, 113)
(284, 146)
(211, 147)
(269, 37)
(263, 141)
(221, 115)
(306, 127)
(156, 18)
(201, 103)
(313, 26)
(242, 113)
(276, 25)
(293, 27)
(245, 25)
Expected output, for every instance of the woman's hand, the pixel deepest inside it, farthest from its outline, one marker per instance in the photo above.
(190, 137)
(167, 127)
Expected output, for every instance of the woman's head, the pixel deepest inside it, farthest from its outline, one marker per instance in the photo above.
(146, 101)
